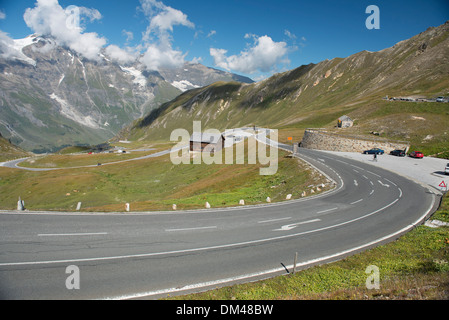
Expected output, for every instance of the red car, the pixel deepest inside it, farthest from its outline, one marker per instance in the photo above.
(416, 154)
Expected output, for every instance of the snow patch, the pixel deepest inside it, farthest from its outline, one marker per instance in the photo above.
(62, 78)
(69, 112)
(139, 79)
(183, 85)
(18, 44)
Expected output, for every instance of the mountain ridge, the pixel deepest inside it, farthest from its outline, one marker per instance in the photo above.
(312, 95)
(52, 97)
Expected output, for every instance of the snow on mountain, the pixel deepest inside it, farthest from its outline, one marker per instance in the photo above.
(52, 96)
(139, 79)
(71, 113)
(184, 85)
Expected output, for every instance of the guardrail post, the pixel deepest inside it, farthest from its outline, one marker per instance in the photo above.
(294, 265)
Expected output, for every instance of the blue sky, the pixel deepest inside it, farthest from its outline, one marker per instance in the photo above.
(255, 38)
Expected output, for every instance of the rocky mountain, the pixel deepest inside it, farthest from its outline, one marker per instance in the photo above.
(51, 97)
(316, 95)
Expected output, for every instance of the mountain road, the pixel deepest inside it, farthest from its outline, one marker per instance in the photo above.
(152, 254)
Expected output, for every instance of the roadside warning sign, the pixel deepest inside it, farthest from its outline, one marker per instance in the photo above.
(443, 185)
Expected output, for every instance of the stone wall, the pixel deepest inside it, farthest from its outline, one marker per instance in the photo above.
(323, 140)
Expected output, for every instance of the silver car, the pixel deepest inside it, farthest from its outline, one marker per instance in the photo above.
(446, 170)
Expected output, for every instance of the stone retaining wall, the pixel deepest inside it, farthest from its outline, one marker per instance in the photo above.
(323, 140)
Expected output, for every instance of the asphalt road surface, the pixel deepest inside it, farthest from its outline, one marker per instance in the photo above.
(150, 255)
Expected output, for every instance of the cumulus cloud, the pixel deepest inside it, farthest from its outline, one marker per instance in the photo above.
(158, 40)
(123, 56)
(8, 49)
(156, 56)
(264, 55)
(65, 26)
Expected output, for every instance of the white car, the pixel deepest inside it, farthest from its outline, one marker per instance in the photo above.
(446, 170)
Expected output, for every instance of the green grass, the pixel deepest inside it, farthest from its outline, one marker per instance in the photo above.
(414, 267)
(152, 184)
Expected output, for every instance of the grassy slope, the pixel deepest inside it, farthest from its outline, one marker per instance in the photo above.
(153, 184)
(9, 151)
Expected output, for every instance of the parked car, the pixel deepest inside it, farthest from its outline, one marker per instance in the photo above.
(440, 99)
(416, 154)
(374, 151)
(398, 153)
(446, 170)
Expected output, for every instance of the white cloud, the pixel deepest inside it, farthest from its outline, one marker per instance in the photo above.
(123, 56)
(159, 52)
(129, 35)
(156, 56)
(49, 18)
(289, 34)
(2, 15)
(264, 56)
(11, 49)
(211, 33)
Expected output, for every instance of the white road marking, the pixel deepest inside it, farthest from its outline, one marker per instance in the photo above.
(214, 247)
(294, 225)
(356, 201)
(373, 173)
(71, 234)
(276, 270)
(327, 210)
(385, 185)
(274, 220)
(356, 183)
(190, 229)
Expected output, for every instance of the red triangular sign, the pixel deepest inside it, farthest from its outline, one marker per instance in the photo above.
(442, 184)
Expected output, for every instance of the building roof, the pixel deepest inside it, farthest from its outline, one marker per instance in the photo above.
(344, 118)
(206, 137)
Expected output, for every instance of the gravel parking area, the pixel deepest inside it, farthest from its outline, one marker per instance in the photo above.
(427, 170)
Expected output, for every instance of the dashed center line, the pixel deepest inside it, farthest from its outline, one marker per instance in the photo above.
(190, 229)
(274, 220)
(327, 210)
(356, 201)
(70, 234)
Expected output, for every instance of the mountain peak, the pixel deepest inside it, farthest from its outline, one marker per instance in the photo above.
(53, 97)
